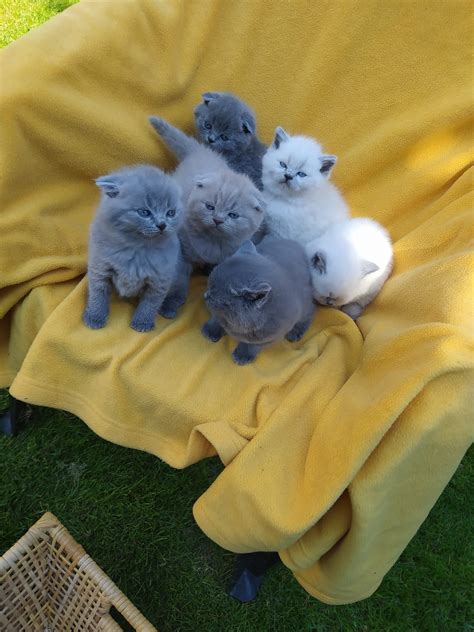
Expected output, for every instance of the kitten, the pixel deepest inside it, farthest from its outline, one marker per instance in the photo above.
(301, 202)
(350, 263)
(133, 244)
(260, 295)
(223, 208)
(228, 125)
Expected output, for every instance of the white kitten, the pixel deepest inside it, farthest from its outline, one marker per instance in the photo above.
(349, 264)
(301, 202)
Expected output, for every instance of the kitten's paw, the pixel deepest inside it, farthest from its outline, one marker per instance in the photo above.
(94, 320)
(243, 356)
(170, 306)
(298, 331)
(168, 312)
(352, 309)
(142, 325)
(212, 332)
(158, 123)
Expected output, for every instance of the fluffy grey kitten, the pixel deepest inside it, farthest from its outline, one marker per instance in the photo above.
(133, 244)
(228, 125)
(260, 295)
(223, 208)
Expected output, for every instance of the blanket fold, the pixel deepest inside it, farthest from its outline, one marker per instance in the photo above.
(336, 447)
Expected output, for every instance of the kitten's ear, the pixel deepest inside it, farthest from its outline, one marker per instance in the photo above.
(318, 261)
(108, 185)
(258, 294)
(203, 180)
(247, 248)
(368, 267)
(280, 137)
(210, 96)
(259, 203)
(327, 163)
(248, 124)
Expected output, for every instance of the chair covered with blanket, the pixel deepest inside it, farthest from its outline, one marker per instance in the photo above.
(335, 447)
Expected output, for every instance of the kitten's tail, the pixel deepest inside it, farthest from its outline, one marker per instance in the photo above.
(179, 143)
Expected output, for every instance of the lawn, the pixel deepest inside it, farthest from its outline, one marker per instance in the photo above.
(132, 513)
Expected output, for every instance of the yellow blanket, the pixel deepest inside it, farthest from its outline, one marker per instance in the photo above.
(337, 446)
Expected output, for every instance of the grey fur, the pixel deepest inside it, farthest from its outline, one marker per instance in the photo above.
(223, 114)
(260, 295)
(206, 179)
(355, 308)
(133, 244)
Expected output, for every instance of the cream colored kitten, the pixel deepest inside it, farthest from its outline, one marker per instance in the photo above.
(301, 202)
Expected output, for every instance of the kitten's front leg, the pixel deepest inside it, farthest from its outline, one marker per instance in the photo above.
(98, 301)
(148, 308)
(354, 310)
(212, 330)
(245, 353)
(178, 291)
(298, 331)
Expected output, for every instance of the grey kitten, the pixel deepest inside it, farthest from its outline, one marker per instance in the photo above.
(133, 244)
(260, 295)
(223, 208)
(228, 125)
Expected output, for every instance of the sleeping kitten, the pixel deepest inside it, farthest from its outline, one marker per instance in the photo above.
(350, 263)
(260, 295)
(223, 208)
(301, 202)
(133, 244)
(228, 125)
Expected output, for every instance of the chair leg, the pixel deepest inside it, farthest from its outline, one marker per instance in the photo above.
(249, 572)
(14, 418)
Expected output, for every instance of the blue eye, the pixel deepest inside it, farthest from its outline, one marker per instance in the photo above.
(234, 215)
(301, 174)
(207, 125)
(171, 212)
(143, 212)
(224, 137)
(283, 164)
(210, 207)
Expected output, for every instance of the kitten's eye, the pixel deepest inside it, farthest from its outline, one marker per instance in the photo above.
(224, 137)
(143, 212)
(301, 174)
(171, 212)
(207, 125)
(210, 207)
(234, 215)
(283, 164)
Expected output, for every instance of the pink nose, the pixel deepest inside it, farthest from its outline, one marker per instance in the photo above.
(218, 221)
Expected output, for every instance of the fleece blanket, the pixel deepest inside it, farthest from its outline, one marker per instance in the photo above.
(335, 447)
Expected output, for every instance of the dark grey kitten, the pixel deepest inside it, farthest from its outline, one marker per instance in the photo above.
(228, 125)
(223, 208)
(133, 244)
(260, 295)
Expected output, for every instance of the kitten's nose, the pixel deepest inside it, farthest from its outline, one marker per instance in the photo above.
(288, 177)
(211, 139)
(329, 301)
(161, 226)
(218, 221)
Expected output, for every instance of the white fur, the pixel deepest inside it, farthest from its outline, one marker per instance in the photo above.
(305, 207)
(347, 249)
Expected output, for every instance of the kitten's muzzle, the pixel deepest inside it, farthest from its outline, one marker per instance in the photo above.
(161, 227)
(329, 301)
(288, 177)
(218, 221)
(211, 139)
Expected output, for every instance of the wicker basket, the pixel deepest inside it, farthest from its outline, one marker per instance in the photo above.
(48, 583)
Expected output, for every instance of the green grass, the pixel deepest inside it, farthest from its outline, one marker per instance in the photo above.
(133, 514)
(17, 17)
